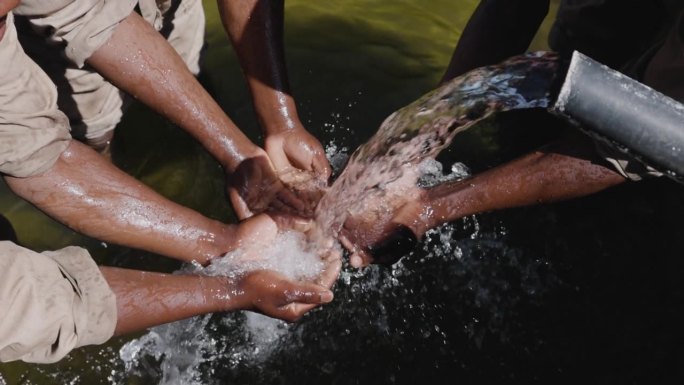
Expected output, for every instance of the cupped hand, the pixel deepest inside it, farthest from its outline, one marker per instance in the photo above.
(255, 187)
(383, 236)
(270, 293)
(300, 163)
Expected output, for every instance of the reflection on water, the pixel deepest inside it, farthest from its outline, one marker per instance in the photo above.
(547, 294)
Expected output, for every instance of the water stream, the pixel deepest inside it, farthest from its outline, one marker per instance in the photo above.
(549, 294)
(379, 174)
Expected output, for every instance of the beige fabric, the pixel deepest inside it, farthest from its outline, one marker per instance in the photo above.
(52, 302)
(94, 106)
(33, 132)
(82, 26)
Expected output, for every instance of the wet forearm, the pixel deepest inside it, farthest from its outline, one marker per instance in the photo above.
(139, 61)
(498, 29)
(557, 173)
(90, 195)
(146, 299)
(255, 28)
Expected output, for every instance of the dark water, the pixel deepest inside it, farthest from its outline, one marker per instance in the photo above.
(587, 290)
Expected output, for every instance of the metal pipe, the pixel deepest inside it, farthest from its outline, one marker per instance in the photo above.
(625, 113)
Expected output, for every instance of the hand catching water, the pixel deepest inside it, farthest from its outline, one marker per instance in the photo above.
(287, 269)
(292, 178)
(301, 165)
(255, 187)
(272, 294)
(383, 236)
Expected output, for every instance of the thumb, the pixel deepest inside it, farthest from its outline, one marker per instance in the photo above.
(321, 166)
(240, 207)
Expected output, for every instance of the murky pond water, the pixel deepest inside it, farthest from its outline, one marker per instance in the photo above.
(555, 293)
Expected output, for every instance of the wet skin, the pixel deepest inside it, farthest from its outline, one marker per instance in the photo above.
(255, 28)
(146, 299)
(568, 169)
(88, 194)
(560, 171)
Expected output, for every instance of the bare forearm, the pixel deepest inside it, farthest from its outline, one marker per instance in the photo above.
(255, 28)
(557, 173)
(146, 299)
(497, 30)
(90, 195)
(139, 61)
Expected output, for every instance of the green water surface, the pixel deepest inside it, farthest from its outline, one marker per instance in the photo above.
(351, 63)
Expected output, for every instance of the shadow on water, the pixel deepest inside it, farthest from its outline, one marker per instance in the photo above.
(589, 288)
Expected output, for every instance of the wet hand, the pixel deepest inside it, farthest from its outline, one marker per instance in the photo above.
(300, 162)
(269, 293)
(255, 187)
(382, 237)
(260, 232)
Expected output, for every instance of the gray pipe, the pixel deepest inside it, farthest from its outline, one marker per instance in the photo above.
(624, 112)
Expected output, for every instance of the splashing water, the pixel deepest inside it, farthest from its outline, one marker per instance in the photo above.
(383, 172)
(289, 253)
(380, 175)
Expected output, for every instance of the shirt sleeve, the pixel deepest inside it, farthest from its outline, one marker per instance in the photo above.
(33, 132)
(53, 302)
(82, 26)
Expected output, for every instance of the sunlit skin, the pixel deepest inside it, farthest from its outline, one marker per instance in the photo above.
(564, 170)
(90, 195)
(557, 172)
(87, 193)
(146, 299)
(138, 60)
(255, 28)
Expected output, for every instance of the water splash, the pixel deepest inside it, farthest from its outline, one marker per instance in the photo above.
(382, 174)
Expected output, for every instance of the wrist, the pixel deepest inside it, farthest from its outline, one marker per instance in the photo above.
(231, 163)
(219, 241)
(277, 113)
(223, 294)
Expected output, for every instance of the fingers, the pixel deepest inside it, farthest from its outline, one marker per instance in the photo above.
(290, 199)
(309, 294)
(240, 207)
(333, 266)
(288, 221)
(321, 166)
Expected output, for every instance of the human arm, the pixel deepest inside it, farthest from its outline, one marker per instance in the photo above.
(56, 301)
(498, 29)
(146, 299)
(138, 60)
(255, 28)
(90, 195)
(564, 170)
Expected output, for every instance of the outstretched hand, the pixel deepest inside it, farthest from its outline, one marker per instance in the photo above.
(270, 293)
(383, 236)
(291, 176)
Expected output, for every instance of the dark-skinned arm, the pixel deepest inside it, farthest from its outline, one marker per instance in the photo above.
(138, 60)
(497, 30)
(560, 171)
(146, 299)
(255, 28)
(90, 195)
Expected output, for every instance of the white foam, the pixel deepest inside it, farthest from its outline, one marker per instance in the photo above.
(290, 254)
